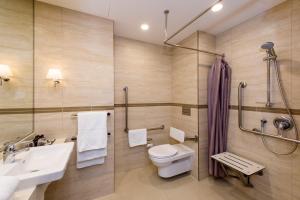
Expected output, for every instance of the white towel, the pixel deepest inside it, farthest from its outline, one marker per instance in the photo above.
(137, 137)
(8, 185)
(91, 139)
(88, 163)
(92, 131)
(90, 155)
(177, 134)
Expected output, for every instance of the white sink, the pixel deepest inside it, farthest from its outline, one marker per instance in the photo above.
(39, 165)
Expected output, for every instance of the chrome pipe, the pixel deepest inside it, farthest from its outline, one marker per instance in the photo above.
(240, 117)
(268, 104)
(167, 39)
(190, 22)
(126, 109)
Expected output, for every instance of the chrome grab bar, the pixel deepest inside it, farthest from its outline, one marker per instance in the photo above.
(195, 138)
(240, 117)
(126, 114)
(157, 128)
(126, 109)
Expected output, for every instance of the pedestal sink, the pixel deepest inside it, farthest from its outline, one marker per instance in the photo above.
(39, 165)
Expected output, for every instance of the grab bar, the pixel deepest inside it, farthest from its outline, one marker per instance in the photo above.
(157, 128)
(126, 109)
(195, 138)
(240, 117)
(126, 114)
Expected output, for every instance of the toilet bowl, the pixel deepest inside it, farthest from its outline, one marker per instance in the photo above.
(172, 160)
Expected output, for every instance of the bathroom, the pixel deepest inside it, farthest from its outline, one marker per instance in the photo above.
(155, 72)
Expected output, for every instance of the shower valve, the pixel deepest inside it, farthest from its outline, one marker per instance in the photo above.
(283, 123)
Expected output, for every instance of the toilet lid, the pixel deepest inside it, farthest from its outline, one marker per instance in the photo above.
(162, 151)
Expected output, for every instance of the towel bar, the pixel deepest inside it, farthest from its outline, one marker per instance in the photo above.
(74, 138)
(76, 115)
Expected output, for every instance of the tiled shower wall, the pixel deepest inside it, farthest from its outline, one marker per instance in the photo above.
(81, 46)
(146, 70)
(241, 44)
(189, 90)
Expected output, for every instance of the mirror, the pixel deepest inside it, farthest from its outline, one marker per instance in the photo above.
(16, 69)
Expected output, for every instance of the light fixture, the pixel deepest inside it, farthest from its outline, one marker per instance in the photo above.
(55, 75)
(217, 7)
(145, 27)
(5, 73)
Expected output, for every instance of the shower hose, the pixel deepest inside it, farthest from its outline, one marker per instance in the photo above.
(285, 102)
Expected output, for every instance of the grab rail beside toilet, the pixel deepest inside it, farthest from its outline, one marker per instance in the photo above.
(125, 89)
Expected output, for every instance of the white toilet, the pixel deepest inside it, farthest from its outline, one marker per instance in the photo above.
(172, 160)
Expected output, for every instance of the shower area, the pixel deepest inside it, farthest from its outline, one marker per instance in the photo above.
(172, 90)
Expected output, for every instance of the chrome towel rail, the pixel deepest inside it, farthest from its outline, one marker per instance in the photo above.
(76, 115)
(240, 119)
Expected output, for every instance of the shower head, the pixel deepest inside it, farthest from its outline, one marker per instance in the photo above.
(269, 47)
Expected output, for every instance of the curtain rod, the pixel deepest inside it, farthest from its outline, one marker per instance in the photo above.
(166, 41)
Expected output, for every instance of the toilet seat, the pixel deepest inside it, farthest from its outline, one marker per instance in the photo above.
(163, 151)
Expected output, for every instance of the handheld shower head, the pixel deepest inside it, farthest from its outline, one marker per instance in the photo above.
(269, 47)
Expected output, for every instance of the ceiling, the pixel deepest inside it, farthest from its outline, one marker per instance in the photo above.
(130, 14)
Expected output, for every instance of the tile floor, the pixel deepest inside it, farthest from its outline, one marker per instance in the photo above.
(144, 184)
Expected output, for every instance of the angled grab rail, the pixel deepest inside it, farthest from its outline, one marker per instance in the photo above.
(240, 117)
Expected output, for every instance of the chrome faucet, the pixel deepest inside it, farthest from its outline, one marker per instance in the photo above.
(11, 149)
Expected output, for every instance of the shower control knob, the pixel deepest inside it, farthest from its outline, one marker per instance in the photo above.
(283, 123)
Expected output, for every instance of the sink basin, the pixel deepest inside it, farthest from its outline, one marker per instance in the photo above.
(39, 165)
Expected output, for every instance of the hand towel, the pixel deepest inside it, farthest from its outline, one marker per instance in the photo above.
(90, 155)
(88, 163)
(92, 131)
(91, 139)
(177, 134)
(8, 185)
(137, 137)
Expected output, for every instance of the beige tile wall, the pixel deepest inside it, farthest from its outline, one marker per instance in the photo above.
(146, 70)
(16, 50)
(189, 86)
(81, 46)
(241, 45)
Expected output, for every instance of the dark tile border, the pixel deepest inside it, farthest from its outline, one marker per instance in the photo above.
(143, 105)
(112, 107)
(7, 111)
(267, 110)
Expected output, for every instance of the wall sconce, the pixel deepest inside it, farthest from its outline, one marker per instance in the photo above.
(5, 73)
(55, 75)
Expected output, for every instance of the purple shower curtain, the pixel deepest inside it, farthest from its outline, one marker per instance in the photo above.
(219, 82)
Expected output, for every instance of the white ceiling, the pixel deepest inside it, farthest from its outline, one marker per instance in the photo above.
(130, 14)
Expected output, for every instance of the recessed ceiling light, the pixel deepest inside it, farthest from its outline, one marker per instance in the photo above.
(217, 7)
(145, 27)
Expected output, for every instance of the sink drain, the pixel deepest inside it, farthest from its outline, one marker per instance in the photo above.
(36, 170)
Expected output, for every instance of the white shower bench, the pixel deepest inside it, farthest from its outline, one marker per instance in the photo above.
(244, 168)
